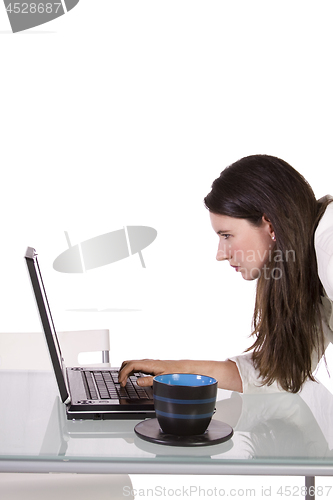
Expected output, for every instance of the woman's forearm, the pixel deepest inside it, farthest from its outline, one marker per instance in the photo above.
(225, 372)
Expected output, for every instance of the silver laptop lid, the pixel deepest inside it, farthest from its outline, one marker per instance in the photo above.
(47, 322)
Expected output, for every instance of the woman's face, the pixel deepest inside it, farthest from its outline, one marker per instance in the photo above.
(246, 247)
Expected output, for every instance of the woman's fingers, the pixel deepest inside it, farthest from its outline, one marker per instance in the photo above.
(145, 381)
(143, 365)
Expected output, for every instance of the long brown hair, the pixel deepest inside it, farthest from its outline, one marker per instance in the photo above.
(286, 317)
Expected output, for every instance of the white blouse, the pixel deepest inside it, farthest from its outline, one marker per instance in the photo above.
(323, 241)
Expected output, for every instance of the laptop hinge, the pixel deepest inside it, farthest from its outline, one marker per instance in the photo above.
(65, 374)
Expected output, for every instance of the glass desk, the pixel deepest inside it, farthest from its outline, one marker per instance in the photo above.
(274, 434)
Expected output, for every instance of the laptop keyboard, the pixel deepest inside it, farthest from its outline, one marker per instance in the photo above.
(104, 385)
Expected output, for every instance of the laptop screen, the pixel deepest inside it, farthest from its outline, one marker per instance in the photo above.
(47, 321)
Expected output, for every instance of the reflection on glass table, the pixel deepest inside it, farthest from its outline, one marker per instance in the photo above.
(276, 434)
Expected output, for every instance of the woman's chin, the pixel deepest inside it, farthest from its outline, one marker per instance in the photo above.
(249, 275)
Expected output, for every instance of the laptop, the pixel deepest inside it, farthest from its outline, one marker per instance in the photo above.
(87, 393)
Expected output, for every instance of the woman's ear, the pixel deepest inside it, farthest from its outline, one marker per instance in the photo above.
(269, 226)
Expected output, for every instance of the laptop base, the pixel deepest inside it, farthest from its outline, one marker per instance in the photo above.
(109, 416)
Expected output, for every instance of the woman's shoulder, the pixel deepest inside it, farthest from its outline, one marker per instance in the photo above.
(326, 221)
(323, 240)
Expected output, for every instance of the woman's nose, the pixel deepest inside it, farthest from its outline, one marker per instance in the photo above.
(221, 253)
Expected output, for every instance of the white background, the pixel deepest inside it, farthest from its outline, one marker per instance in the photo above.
(123, 113)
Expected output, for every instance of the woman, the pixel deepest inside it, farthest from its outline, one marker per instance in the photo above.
(271, 228)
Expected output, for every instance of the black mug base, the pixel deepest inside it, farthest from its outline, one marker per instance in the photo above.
(216, 433)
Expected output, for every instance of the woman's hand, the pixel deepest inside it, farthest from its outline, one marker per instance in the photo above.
(150, 366)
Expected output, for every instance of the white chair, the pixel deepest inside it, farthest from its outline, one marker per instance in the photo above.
(76, 343)
(28, 351)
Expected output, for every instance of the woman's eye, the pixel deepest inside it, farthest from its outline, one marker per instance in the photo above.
(225, 236)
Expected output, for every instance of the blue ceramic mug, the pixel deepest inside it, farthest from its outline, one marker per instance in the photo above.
(184, 402)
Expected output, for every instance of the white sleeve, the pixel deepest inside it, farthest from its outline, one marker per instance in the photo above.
(251, 380)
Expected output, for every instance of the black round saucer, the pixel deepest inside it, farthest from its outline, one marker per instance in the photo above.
(216, 433)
